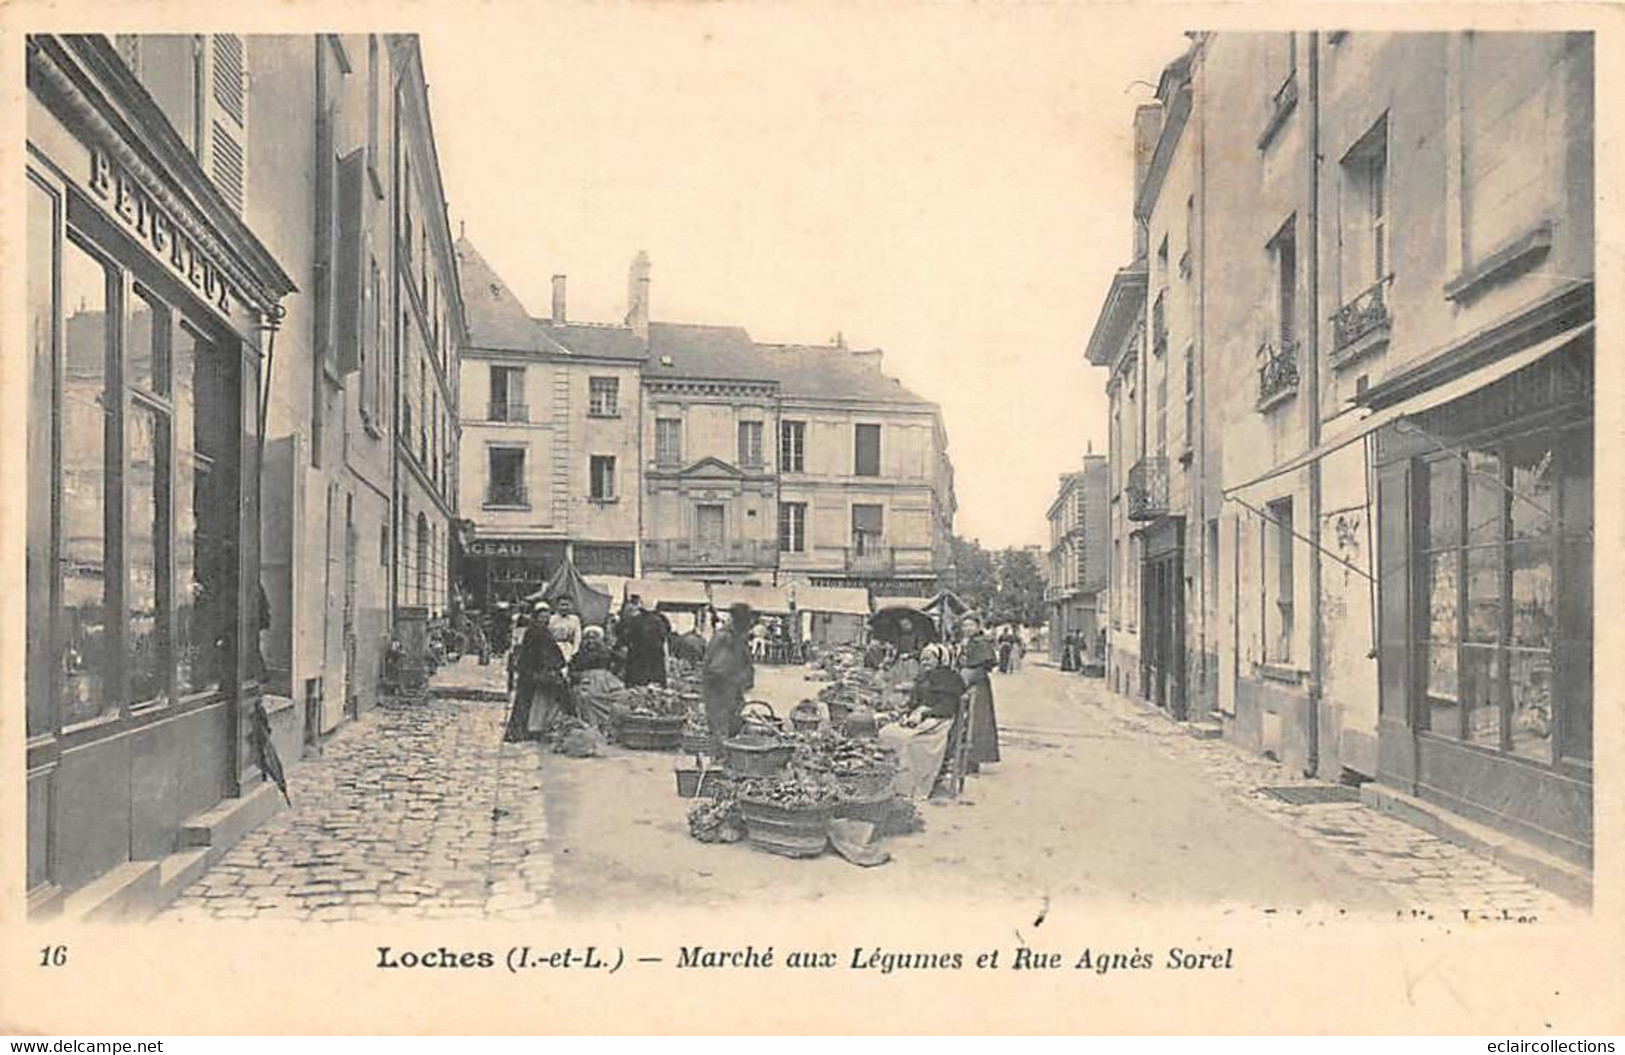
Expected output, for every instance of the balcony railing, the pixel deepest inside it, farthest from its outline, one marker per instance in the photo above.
(870, 556)
(691, 553)
(1148, 489)
(1277, 373)
(1360, 324)
(508, 412)
(507, 495)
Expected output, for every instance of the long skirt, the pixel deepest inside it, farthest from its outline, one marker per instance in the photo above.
(722, 707)
(551, 701)
(645, 666)
(921, 752)
(984, 732)
(518, 725)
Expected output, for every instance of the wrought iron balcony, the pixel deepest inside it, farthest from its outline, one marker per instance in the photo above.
(1148, 489)
(508, 411)
(1361, 323)
(1277, 373)
(871, 556)
(507, 495)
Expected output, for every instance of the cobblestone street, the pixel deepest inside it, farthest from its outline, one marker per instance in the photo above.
(418, 809)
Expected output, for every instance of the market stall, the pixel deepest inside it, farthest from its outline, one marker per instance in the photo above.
(828, 615)
(673, 598)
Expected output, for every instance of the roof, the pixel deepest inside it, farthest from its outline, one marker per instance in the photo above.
(825, 372)
(595, 340)
(687, 350)
(496, 318)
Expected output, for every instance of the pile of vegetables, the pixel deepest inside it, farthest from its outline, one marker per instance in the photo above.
(652, 701)
(717, 821)
(793, 791)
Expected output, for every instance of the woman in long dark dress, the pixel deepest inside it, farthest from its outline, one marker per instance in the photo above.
(645, 636)
(541, 689)
(977, 659)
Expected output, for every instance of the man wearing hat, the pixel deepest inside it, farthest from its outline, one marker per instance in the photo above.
(727, 673)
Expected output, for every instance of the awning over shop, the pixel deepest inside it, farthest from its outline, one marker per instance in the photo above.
(1448, 392)
(681, 594)
(768, 600)
(591, 604)
(831, 599)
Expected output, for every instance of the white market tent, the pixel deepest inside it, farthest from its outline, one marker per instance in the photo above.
(767, 600)
(832, 600)
(674, 594)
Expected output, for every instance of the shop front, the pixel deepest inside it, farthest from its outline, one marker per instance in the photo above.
(1486, 536)
(146, 296)
(504, 571)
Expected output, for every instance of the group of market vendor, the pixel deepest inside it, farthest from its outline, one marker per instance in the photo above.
(945, 696)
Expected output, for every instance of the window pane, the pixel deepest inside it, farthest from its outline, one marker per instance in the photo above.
(1480, 694)
(1531, 462)
(41, 451)
(868, 450)
(205, 510)
(1443, 596)
(1486, 498)
(1484, 594)
(1532, 703)
(1444, 503)
(1534, 608)
(146, 493)
(144, 356)
(1443, 714)
(82, 638)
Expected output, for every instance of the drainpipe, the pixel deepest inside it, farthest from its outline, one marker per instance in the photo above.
(1312, 409)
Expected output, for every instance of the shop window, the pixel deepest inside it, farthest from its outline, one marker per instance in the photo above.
(1500, 521)
(793, 527)
(750, 444)
(145, 525)
(792, 446)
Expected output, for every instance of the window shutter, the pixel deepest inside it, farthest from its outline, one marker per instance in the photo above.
(226, 104)
(348, 296)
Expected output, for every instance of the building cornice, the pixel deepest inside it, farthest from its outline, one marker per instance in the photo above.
(1173, 125)
(1121, 309)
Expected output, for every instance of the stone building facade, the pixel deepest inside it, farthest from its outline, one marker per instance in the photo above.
(1077, 563)
(1387, 518)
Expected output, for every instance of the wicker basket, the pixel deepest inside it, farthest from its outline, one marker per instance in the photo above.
(707, 783)
(757, 758)
(642, 732)
(696, 744)
(838, 711)
(873, 808)
(790, 831)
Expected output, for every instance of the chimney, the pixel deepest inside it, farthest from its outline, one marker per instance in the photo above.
(558, 299)
(637, 296)
(869, 358)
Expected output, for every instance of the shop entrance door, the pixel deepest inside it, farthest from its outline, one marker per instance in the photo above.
(1163, 663)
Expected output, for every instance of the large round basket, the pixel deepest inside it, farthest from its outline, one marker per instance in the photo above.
(838, 710)
(694, 743)
(872, 806)
(790, 831)
(751, 757)
(642, 732)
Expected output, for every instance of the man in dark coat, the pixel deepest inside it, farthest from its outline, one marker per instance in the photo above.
(644, 636)
(727, 673)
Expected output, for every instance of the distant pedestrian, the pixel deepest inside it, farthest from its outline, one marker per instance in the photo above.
(1069, 653)
(727, 674)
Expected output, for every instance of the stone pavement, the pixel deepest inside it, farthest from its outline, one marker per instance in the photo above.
(1421, 871)
(417, 809)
